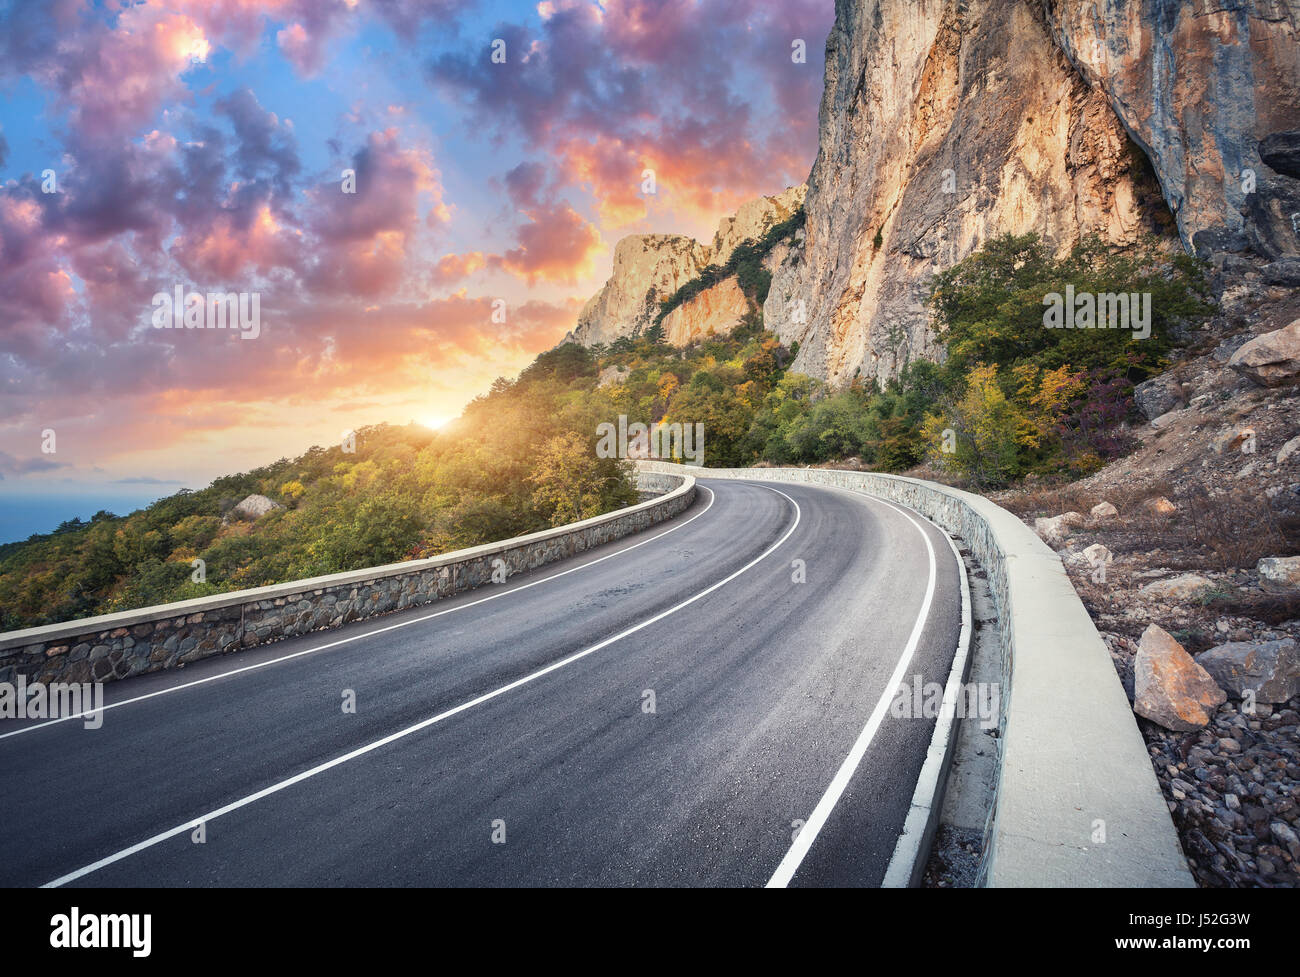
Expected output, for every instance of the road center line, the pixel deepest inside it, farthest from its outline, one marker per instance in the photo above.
(432, 720)
(358, 637)
(817, 820)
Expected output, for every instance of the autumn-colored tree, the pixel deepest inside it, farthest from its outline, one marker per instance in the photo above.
(292, 490)
(572, 483)
(982, 434)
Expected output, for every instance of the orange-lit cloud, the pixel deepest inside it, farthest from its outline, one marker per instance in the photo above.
(180, 162)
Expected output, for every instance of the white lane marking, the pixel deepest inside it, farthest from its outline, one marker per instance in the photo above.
(817, 820)
(368, 634)
(424, 724)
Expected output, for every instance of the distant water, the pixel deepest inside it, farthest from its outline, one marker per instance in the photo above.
(24, 513)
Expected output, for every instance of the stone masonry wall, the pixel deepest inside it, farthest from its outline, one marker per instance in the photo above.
(115, 646)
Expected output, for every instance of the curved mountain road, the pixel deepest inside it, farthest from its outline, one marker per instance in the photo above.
(664, 710)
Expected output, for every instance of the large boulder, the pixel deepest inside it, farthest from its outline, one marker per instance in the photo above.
(1097, 555)
(1157, 396)
(1272, 359)
(1279, 574)
(1288, 449)
(1229, 440)
(1184, 587)
(1269, 669)
(1159, 506)
(254, 507)
(1169, 687)
(611, 375)
(1103, 510)
(1284, 272)
(1269, 227)
(1056, 528)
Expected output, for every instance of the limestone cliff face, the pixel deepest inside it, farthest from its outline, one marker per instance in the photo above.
(753, 219)
(650, 267)
(647, 268)
(1199, 84)
(944, 124)
(718, 309)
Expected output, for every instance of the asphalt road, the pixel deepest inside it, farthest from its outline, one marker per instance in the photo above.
(665, 710)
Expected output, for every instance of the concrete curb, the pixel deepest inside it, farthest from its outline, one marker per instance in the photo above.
(152, 638)
(907, 865)
(1077, 800)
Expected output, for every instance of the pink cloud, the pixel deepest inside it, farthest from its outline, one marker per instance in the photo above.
(556, 245)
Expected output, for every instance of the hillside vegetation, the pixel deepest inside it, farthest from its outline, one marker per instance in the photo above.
(1011, 398)
(519, 459)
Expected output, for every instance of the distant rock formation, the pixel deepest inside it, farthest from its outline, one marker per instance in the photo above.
(253, 507)
(648, 268)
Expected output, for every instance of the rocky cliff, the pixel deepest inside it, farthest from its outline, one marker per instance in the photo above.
(650, 267)
(1199, 85)
(718, 309)
(944, 124)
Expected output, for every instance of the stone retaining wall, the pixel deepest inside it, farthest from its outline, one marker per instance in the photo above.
(1077, 800)
(114, 646)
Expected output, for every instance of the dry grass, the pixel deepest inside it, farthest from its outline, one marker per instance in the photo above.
(1052, 500)
(1236, 529)
(1228, 531)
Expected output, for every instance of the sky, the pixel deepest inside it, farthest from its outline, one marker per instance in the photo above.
(497, 153)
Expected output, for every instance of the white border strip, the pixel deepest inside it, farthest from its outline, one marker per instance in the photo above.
(913, 847)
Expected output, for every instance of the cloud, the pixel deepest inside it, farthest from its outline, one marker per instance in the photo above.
(556, 245)
(389, 180)
(177, 163)
(115, 80)
(267, 147)
(9, 465)
(407, 17)
(451, 268)
(525, 182)
(670, 85)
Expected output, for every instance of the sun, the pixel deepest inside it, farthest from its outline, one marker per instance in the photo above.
(432, 421)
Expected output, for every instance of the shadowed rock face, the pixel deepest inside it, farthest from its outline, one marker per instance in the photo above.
(1199, 85)
(942, 125)
(1281, 152)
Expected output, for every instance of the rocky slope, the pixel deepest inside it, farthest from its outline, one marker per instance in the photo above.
(945, 124)
(1188, 555)
(650, 267)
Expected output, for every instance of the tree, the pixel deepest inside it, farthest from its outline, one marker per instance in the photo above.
(571, 483)
(981, 434)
